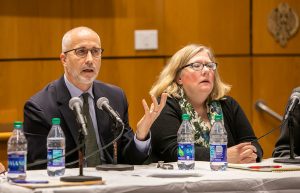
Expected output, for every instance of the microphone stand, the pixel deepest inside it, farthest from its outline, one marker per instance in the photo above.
(115, 166)
(292, 159)
(80, 177)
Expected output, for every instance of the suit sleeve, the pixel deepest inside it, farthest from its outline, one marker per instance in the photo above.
(35, 128)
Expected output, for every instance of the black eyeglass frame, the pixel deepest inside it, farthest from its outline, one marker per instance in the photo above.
(192, 65)
(88, 50)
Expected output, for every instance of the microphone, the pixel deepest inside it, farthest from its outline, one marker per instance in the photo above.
(261, 106)
(289, 116)
(294, 101)
(103, 104)
(76, 104)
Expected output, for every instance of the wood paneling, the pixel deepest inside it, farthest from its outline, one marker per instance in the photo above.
(222, 25)
(236, 71)
(33, 28)
(274, 78)
(21, 79)
(263, 40)
(135, 77)
(116, 20)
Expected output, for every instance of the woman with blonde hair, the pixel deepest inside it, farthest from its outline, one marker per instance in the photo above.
(193, 85)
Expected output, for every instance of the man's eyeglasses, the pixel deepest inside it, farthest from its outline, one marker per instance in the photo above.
(82, 52)
(199, 66)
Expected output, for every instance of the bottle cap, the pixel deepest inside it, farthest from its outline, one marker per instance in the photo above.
(55, 121)
(18, 124)
(185, 117)
(218, 117)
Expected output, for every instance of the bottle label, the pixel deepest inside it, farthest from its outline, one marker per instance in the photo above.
(59, 155)
(16, 163)
(218, 153)
(186, 151)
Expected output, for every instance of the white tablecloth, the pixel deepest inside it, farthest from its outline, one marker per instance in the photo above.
(151, 179)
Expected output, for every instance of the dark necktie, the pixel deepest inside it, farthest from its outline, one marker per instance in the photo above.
(91, 141)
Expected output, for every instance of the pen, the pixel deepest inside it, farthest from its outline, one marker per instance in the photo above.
(31, 181)
(261, 167)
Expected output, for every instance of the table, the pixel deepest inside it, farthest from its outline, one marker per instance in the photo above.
(148, 178)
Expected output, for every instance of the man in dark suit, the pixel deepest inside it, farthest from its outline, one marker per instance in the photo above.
(81, 58)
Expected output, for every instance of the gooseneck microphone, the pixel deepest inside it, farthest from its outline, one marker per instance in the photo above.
(289, 118)
(260, 105)
(293, 102)
(103, 104)
(76, 104)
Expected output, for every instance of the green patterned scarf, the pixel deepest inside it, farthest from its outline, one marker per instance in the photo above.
(201, 128)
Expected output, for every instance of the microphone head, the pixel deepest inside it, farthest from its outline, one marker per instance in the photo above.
(296, 93)
(260, 105)
(101, 101)
(296, 89)
(73, 101)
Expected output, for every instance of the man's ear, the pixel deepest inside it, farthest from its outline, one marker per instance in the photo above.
(63, 59)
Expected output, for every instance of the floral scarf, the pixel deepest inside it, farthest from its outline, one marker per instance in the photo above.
(201, 128)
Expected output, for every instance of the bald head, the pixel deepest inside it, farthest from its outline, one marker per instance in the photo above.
(69, 36)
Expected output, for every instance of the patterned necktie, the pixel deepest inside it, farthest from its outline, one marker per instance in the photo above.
(91, 141)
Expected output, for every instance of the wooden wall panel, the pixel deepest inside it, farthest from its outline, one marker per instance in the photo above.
(22, 79)
(33, 28)
(236, 71)
(116, 20)
(263, 41)
(222, 25)
(135, 77)
(274, 78)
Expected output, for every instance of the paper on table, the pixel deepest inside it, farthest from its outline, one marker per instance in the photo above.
(59, 184)
(265, 167)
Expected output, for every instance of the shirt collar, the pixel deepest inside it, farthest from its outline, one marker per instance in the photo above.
(76, 92)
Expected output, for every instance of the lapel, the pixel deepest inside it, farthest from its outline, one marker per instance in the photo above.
(63, 97)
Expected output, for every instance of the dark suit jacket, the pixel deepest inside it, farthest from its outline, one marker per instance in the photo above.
(282, 147)
(53, 101)
(164, 131)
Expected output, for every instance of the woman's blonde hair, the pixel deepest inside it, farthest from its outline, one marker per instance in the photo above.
(167, 78)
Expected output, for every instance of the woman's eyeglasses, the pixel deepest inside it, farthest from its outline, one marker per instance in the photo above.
(199, 66)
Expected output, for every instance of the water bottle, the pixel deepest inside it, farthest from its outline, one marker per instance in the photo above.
(17, 153)
(56, 149)
(218, 145)
(186, 148)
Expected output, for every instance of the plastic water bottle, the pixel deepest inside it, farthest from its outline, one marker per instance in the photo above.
(56, 149)
(17, 153)
(218, 145)
(186, 148)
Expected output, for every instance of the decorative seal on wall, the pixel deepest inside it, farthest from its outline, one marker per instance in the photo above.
(283, 23)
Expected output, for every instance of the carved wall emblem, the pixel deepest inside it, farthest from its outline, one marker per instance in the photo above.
(283, 23)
